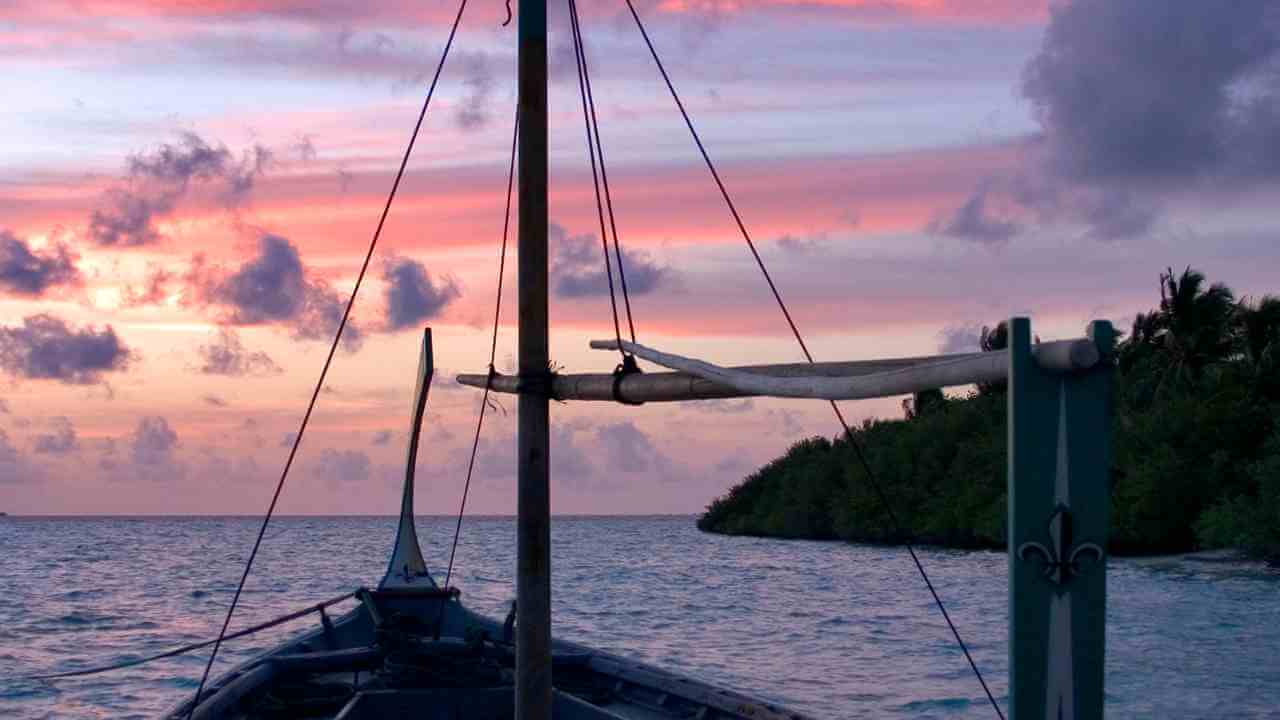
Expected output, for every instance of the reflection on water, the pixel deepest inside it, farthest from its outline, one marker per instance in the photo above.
(831, 629)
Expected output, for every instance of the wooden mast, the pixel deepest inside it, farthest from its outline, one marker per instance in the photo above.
(533, 525)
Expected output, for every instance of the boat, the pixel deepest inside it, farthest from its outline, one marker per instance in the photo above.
(410, 648)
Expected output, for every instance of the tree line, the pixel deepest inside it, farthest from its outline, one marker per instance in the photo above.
(1196, 446)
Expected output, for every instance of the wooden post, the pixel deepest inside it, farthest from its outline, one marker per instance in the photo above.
(1059, 507)
(533, 523)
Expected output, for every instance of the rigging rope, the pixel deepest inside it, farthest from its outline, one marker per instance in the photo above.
(318, 607)
(324, 371)
(590, 104)
(848, 431)
(493, 353)
(595, 180)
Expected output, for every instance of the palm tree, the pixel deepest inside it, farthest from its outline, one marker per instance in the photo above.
(1143, 341)
(1257, 336)
(1257, 327)
(1195, 323)
(994, 338)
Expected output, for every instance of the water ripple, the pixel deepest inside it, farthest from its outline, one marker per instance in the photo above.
(831, 629)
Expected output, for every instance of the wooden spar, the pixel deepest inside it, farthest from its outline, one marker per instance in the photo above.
(676, 386)
(697, 380)
(533, 520)
(1064, 355)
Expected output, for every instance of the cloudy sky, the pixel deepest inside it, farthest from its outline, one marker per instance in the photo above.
(187, 188)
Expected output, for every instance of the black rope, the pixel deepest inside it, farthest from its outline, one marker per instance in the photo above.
(627, 367)
(581, 46)
(595, 180)
(324, 371)
(318, 607)
(493, 354)
(848, 432)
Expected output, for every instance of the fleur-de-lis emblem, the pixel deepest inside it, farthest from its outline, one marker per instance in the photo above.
(1061, 559)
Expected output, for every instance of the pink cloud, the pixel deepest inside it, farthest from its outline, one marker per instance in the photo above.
(993, 12)
(989, 11)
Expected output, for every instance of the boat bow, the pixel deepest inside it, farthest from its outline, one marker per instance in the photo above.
(407, 569)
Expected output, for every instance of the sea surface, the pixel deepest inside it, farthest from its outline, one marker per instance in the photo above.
(829, 629)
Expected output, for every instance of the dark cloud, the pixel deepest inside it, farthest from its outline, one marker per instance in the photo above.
(214, 401)
(338, 466)
(151, 456)
(28, 272)
(577, 270)
(1137, 100)
(628, 449)
(274, 288)
(412, 296)
(959, 339)
(1155, 89)
(570, 464)
(61, 441)
(154, 290)
(1117, 215)
(45, 348)
(217, 468)
(625, 447)
(271, 287)
(226, 355)
(974, 222)
(382, 437)
(159, 179)
(4, 407)
(153, 442)
(192, 158)
(491, 458)
(473, 111)
(14, 468)
(127, 219)
(799, 245)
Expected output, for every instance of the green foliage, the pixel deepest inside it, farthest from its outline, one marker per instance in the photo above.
(1196, 447)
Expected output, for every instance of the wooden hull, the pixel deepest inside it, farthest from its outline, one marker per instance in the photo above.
(388, 664)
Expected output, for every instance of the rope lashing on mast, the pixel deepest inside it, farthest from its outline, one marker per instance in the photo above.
(795, 331)
(333, 348)
(627, 367)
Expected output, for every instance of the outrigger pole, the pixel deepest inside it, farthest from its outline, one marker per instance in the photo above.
(533, 524)
(1059, 477)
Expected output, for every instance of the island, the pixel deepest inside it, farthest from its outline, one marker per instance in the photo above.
(1196, 449)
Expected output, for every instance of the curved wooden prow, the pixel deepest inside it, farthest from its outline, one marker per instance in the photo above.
(407, 569)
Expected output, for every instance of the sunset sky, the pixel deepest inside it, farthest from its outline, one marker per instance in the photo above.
(187, 189)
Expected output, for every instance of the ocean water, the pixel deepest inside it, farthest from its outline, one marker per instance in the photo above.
(830, 629)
